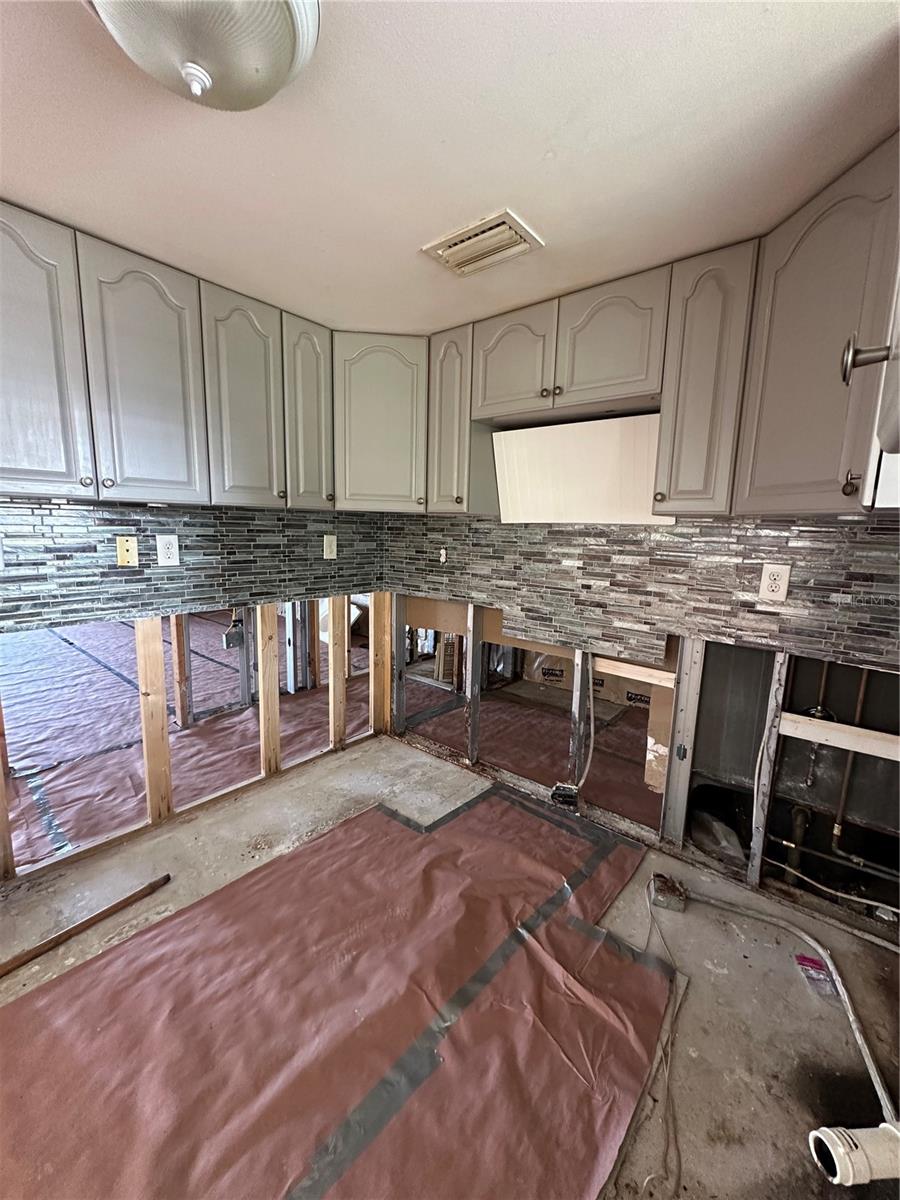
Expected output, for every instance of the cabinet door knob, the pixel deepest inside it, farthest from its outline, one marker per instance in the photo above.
(659, 497)
(854, 356)
(459, 499)
(557, 391)
(282, 494)
(86, 481)
(421, 500)
(107, 482)
(330, 496)
(850, 484)
(545, 391)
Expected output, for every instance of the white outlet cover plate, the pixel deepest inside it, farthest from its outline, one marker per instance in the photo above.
(774, 582)
(167, 554)
(329, 546)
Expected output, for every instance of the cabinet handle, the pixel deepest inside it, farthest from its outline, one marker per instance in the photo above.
(330, 496)
(86, 481)
(421, 500)
(545, 391)
(282, 494)
(850, 484)
(659, 497)
(860, 356)
(557, 391)
(107, 482)
(459, 499)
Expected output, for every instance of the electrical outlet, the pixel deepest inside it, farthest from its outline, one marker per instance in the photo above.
(167, 550)
(329, 547)
(126, 552)
(443, 554)
(774, 582)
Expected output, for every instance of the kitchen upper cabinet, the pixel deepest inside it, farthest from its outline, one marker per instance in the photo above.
(308, 413)
(706, 343)
(611, 340)
(142, 337)
(45, 447)
(513, 360)
(825, 274)
(461, 473)
(244, 398)
(380, 412)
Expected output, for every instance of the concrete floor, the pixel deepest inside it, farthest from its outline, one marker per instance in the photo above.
(758, 1059)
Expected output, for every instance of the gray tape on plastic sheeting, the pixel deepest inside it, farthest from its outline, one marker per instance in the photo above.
(360, 1128)
(643, 957)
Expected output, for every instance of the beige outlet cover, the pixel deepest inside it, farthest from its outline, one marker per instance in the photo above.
(126, 552)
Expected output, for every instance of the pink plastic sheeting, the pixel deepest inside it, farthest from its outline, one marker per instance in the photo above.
(383, 1013)
(72, 716)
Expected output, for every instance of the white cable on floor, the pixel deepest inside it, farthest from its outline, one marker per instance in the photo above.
(886, 1100)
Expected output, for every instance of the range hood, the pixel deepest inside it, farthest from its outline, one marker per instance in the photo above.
(587, 473)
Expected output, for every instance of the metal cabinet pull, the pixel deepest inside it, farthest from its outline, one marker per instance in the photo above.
(855, 356)
(86, 481)
(108, 482)
(659, 497)
(459, 499)
(557, 391)
(545, 392)
(850, 484)
(330, 496)
(421, 500)
(282, 494)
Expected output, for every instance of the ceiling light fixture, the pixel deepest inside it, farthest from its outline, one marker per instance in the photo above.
(229, 54)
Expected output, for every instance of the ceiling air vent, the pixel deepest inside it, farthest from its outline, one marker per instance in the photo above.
(484, 244)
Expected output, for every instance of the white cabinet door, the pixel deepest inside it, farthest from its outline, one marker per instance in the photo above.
(308, 413)
(706, 344)
(45, 446)
(611, 341)
(461, 473)
(142, 337)
(513, 360)
(244, 398)
(824, 274)
(380, 411)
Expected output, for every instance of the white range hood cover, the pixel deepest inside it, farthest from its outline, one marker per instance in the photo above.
(588, 473)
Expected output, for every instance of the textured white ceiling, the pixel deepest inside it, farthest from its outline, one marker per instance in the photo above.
(626, 134)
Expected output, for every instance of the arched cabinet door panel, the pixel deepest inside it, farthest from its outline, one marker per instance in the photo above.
(380, 412)
(309, 428)
(611, 341)
(513, 358)
(45, 447)
(142, 337)
(706, 346)
(461, 474)
(244, 399)
(826, 273)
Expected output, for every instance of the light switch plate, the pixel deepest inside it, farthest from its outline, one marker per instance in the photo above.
(774, 582)
(167, 550)
(126, 552)
(329, 548)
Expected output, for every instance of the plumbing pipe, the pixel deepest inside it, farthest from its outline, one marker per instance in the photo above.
(823, 714)
(799, 849)
(884, 1096)
(852, 1156)
(799, 825)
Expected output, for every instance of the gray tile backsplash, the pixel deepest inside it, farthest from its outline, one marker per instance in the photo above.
(617, 590)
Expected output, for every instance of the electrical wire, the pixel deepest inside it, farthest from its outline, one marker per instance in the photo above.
(831, 891)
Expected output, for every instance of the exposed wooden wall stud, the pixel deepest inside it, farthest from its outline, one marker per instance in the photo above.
(337, 680)
(7, 858)
(379, 661)
(151, 667)
(180, 637)
(269, 700)
(474, 626)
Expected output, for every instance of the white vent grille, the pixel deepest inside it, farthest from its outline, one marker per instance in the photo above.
(484, 244)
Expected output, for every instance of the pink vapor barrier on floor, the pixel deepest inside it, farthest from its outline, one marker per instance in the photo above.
(388, 1011)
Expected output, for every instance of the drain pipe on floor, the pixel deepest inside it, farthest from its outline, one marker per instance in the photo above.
(845, 1156)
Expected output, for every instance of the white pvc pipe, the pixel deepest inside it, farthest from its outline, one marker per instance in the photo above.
(853, 1156)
